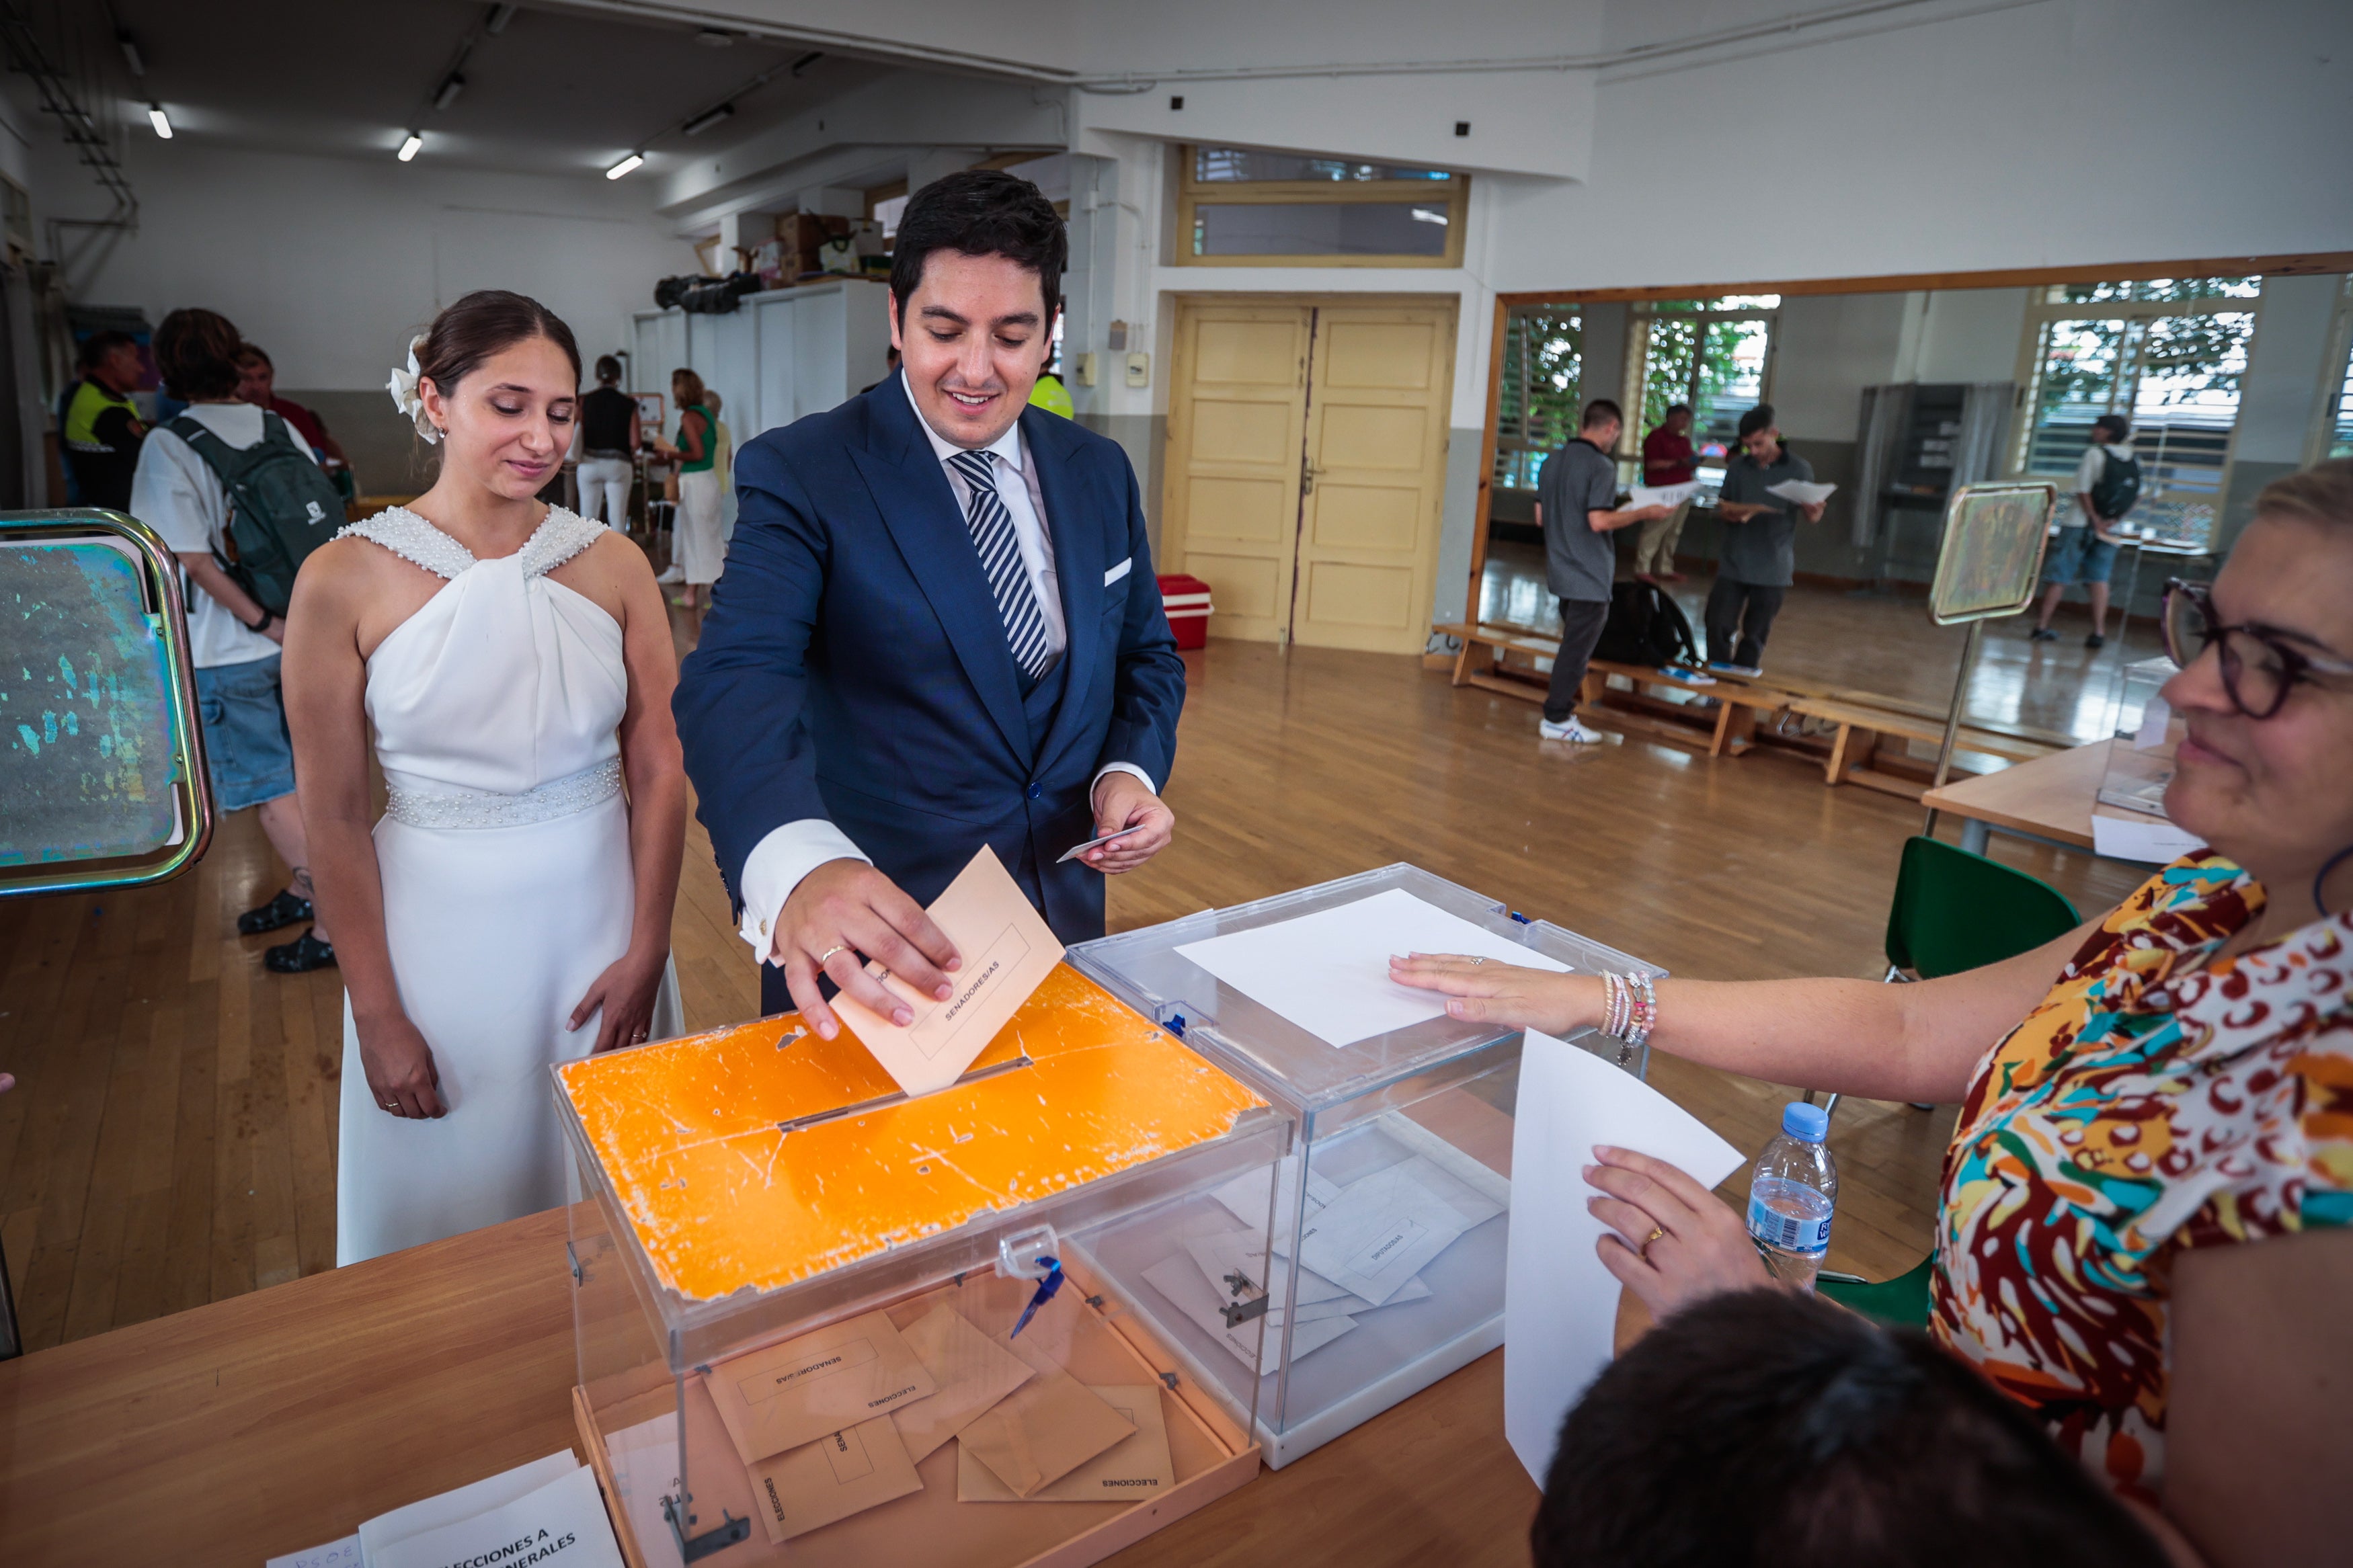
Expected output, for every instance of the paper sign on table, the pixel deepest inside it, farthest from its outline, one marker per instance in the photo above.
(1803, 492)
(841, 1474)
(1329, 972)
(1560, 1305)
(1664, 495)
(463, 1503)
(1042, 1431)
(1385, 1229)
(973, 1373)
(1129, 1470)
(1181, 1282)
(794, 1393)
(1007, 950)
(562, 1525)
(2152, 841)
(343, 1553)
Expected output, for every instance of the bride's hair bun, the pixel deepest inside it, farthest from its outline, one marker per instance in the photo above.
(485, 323)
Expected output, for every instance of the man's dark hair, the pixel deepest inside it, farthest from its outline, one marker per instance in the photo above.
(98, 345)
(247, 354)
(1601, 411)
(1763, 1430)
(196, 352)
(2115, 424)
(1757, 418)
(1675, 408)
(981, 212)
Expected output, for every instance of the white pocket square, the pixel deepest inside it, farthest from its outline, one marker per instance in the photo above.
(1116, 573)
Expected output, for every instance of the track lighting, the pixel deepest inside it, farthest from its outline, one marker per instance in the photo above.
(709, 117)
(625, 166)
(156, 118)
(408, 148)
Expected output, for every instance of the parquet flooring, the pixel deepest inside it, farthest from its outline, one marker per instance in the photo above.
(172, 1140)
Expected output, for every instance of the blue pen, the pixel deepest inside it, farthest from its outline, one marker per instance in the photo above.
(1046, 1288)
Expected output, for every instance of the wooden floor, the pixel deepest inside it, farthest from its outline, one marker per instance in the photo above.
(172, 1137)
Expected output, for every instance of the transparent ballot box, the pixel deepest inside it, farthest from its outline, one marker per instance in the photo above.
(1389, 1217)
(797, 1291)
(2140, 753)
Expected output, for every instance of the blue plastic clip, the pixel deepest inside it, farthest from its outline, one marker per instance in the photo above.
(1522, 919)
(1046, 1288)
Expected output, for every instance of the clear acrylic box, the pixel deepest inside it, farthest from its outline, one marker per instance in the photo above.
(2140, 753)
(1443, 1091)
(744, 1188)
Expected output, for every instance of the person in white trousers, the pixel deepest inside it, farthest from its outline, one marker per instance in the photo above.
(610, 435)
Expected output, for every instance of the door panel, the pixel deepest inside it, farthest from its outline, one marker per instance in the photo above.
(1375, 443)
(1234, 416)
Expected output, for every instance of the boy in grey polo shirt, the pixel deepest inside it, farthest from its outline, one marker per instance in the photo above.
(1577, 507)
(1760, 556)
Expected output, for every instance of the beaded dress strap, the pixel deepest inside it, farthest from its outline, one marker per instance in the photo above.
(415, 541)
(561, 536)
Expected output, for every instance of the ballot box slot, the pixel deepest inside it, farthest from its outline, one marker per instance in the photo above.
(899, 1097)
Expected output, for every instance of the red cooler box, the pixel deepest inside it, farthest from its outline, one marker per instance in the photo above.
(1188, 599)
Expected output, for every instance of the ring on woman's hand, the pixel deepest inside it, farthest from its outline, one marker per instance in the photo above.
(1478, 961)
(1644, 1251)
(392, 1105)
(828, 952)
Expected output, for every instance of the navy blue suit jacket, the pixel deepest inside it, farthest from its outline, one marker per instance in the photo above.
(853, 664)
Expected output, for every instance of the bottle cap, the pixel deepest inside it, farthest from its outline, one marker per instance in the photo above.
(1810, 1123)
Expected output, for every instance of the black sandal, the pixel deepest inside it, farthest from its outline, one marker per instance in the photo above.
(287, 909)
(304, 954)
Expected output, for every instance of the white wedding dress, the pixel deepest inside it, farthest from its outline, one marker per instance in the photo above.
(504, 850)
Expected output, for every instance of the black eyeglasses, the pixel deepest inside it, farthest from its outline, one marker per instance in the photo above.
(2258, 667)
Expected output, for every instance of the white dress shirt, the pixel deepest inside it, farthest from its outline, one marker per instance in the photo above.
(790, 852)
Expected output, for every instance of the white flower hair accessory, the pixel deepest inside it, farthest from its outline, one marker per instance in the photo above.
(402, 387)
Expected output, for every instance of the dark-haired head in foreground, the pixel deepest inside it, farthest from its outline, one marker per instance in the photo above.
(1769, 1428)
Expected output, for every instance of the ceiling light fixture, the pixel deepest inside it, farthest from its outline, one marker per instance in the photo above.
(447, 94)
(807, 60)
(625, 166)
(499, 18)
(709, 117)
(156, 118)
(408, 148)
(130, 55)
(714, 38)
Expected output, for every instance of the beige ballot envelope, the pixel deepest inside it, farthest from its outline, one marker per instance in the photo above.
(972, 1371)
(1041, 1432)
(794, 1393)
(1007, 950)
(841, 1474)
(1134, 1467)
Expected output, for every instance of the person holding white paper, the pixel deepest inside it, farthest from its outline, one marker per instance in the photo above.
(1760, 559)
(2147, 1228)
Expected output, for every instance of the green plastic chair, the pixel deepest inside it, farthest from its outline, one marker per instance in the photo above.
(1952, 911)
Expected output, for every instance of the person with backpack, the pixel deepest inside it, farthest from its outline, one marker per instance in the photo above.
(2107, 483)
(242, 501)
(1577, 508)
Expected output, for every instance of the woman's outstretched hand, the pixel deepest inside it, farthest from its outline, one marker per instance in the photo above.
(1487, 991)
(1674, 1242)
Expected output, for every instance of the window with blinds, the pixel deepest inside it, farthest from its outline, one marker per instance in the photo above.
(1240, 207)
(1714, 354)
(2337, 441)
(1543, 390)
(2169, 353)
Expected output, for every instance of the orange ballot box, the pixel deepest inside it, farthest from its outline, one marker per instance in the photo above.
(823, 1322)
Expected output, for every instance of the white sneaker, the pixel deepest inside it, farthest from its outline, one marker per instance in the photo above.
(1571, 731)
(673, 573)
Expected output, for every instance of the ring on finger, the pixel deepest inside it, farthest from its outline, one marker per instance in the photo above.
(828, 952)
(1643, 1251)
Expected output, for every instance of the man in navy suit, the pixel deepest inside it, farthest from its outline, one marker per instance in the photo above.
(938, 628)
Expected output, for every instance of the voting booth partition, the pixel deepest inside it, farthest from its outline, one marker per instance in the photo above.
(819, 1322)
(1390, 1214)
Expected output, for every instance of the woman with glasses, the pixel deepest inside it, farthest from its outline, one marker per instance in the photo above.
(2146, 1232)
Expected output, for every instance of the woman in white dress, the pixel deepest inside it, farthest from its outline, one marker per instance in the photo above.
(513, 908)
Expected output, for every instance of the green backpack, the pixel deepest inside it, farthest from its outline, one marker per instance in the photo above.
(282, 507)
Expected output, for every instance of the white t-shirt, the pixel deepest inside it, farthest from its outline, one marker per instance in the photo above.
(2093, 470)
(174, 492)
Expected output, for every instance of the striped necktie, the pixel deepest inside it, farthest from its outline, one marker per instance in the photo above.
(1000, 557)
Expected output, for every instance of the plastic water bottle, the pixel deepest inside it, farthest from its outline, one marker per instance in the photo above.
(1792, 1195)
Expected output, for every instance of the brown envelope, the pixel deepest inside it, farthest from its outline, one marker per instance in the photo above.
(1042, 1431)
(841, 1474)
(794, 1393)
(1128, 1472)
(973, 1374)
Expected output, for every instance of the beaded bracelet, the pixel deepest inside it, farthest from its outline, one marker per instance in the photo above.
(1630, 1010)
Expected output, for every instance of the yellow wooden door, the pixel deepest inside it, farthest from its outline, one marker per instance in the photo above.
(1375, 474)
(1235, 415)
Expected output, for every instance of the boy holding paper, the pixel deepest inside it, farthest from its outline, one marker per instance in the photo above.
(1759, 558)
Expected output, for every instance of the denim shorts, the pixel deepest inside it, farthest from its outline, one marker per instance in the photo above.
(2079, 555)
(245, 733)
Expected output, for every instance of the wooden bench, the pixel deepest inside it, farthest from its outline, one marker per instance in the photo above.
(1859, 727)
(1728, 728)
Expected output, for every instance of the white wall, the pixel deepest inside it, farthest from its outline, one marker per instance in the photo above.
(332, 264)
(1970, 335)
(1828, 347)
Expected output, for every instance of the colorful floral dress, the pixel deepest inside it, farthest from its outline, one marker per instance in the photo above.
(2149, 1104)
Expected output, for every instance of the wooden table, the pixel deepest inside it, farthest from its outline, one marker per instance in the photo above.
(278, 1420)
(2050, 799)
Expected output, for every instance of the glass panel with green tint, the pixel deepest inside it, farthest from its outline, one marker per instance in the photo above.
(1320, 228)
(1236, 164)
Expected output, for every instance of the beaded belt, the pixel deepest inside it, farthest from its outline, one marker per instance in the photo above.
(480, 808)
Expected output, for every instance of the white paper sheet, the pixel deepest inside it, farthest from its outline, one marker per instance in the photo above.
(1664, 495)
(343, 1553)
(1245, 1252)
(1386, 1228)
(561, 1525)
(1245, 1197)
(1176, 1278)
(1801, 491)
(1560, 1305)
(464, 1502)
(1329, 972)
(2150, 839)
